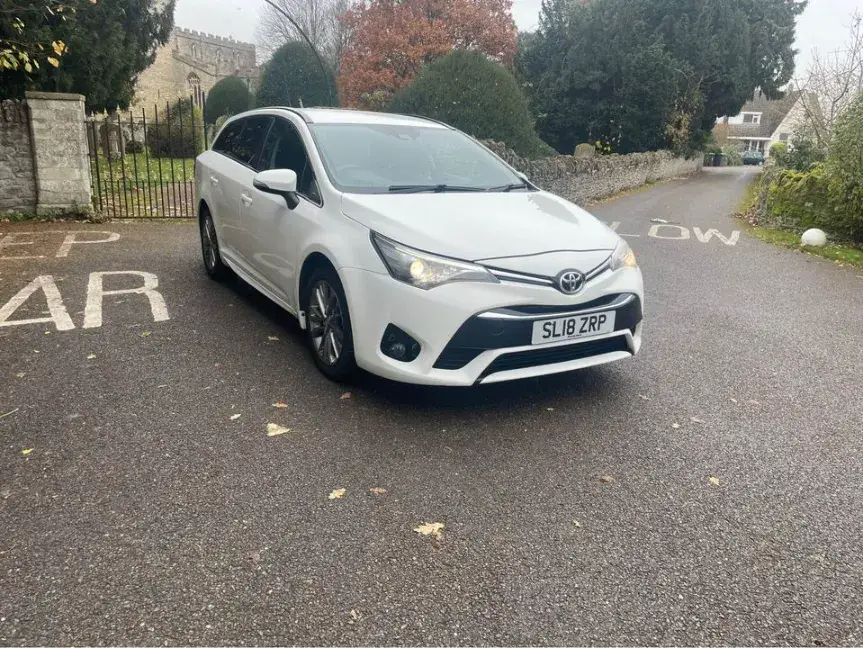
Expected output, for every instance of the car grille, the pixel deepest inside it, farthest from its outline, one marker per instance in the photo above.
(512, 327)
(556, 355)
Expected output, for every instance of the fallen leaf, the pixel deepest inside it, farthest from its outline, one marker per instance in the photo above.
(47, 332)
(643, 397)
(695, 419)
(433, 529)
(378, 491)
(734, 400)
(280, 405)
(355, 616)
(234, 417)
(20, 375)
(255, 557)
(27, 451)
(146, 334)
(607, 479)
(276, 430)
(345, 396)
(549, 409)
(339, 493)
(676, 426)
(576, 524)
(9, 413)
(715, 481)
(92, 356)
(272, 338)
(753, 402)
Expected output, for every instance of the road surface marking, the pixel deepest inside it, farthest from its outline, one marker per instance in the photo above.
(72, 239)
(9, 241)
(96, 293)
(705, 237)
(684, 233)
(59, 314)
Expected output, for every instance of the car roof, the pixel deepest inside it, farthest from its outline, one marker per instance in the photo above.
(347, 116)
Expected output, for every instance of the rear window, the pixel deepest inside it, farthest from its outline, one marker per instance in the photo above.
(225, 142)
(243, 139)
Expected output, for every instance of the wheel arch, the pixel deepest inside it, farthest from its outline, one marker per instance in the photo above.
(312, 262)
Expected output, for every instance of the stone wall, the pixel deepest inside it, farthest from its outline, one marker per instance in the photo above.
(17, 180)
(44, 161)
(584, 179)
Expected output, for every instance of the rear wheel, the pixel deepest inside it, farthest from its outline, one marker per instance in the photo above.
(329, 325)
(210, 248)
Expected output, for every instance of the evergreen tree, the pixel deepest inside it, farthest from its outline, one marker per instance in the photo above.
(642, 74)
(230, 96)
(293, 77)
(110, 43)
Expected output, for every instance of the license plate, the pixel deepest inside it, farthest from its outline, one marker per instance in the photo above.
(570, 328)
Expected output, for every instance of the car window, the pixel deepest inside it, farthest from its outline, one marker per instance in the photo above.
(225, 142)
(247, 145)
(371, 158)
(284, 149)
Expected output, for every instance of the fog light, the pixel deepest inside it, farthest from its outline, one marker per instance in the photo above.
(398, 345)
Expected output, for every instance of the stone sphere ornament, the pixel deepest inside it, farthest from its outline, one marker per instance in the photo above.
(814, 238)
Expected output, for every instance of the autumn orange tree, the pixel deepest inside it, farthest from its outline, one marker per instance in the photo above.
(391, 40)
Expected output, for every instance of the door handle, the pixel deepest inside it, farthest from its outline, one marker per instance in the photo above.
(246, 200)
(214, 180)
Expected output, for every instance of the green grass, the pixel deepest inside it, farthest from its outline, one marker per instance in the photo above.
(842, 254)
(144, 169)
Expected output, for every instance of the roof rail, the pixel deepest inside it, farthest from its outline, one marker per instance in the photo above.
(436, 121)
(302, 115)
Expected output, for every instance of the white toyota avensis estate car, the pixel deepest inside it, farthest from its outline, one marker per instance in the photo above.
(407, 248)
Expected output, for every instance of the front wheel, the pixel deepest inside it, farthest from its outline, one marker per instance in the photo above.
(213, 264)
(328, 327)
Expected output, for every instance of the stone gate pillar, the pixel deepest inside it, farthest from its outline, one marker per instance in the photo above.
(60, 153)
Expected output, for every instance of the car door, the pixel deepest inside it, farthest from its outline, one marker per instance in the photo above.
(278, 228)
(244, 153)
(220, 166)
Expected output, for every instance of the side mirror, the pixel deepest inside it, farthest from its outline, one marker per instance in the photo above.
(281, 182)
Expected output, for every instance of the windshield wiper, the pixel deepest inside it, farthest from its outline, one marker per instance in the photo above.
(510, 186)
(438, 188)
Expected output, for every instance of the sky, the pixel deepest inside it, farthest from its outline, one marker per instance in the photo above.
(823, 25)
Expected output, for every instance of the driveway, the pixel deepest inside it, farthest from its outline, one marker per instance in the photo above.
(709, 491)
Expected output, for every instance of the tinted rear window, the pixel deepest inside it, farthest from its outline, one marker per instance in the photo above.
(244, 138)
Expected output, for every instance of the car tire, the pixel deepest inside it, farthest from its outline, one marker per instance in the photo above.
(328, 330)
(213, 264)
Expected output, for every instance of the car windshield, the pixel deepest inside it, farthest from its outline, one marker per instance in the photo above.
(382, 158)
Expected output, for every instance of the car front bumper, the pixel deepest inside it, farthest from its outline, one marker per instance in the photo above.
(469, 333)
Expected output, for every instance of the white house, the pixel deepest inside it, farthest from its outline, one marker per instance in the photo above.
(763, 122)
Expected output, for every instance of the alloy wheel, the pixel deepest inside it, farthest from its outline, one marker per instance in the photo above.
(208, 243)
(326, 323)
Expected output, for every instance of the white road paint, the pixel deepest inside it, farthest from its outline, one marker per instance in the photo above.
(672, 232)
(682, 231)
(616, 224)
(59, 314)
(96, 294)
(72, 239)
(705, 237)
(9, 241)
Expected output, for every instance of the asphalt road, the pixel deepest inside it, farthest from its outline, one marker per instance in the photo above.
(135, 511)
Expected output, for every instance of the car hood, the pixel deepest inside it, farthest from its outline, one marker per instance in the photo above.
(481, 226)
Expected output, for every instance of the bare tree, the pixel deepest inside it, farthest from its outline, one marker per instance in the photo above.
(833, 82)
(319, 19)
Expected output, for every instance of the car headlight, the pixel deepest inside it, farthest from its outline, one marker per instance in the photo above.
(623, 257)
(425, 270)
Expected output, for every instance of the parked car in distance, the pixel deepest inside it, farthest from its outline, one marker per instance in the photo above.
(405, 247)
(753, 158)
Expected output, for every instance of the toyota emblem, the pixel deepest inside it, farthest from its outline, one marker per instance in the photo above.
(570, 282)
